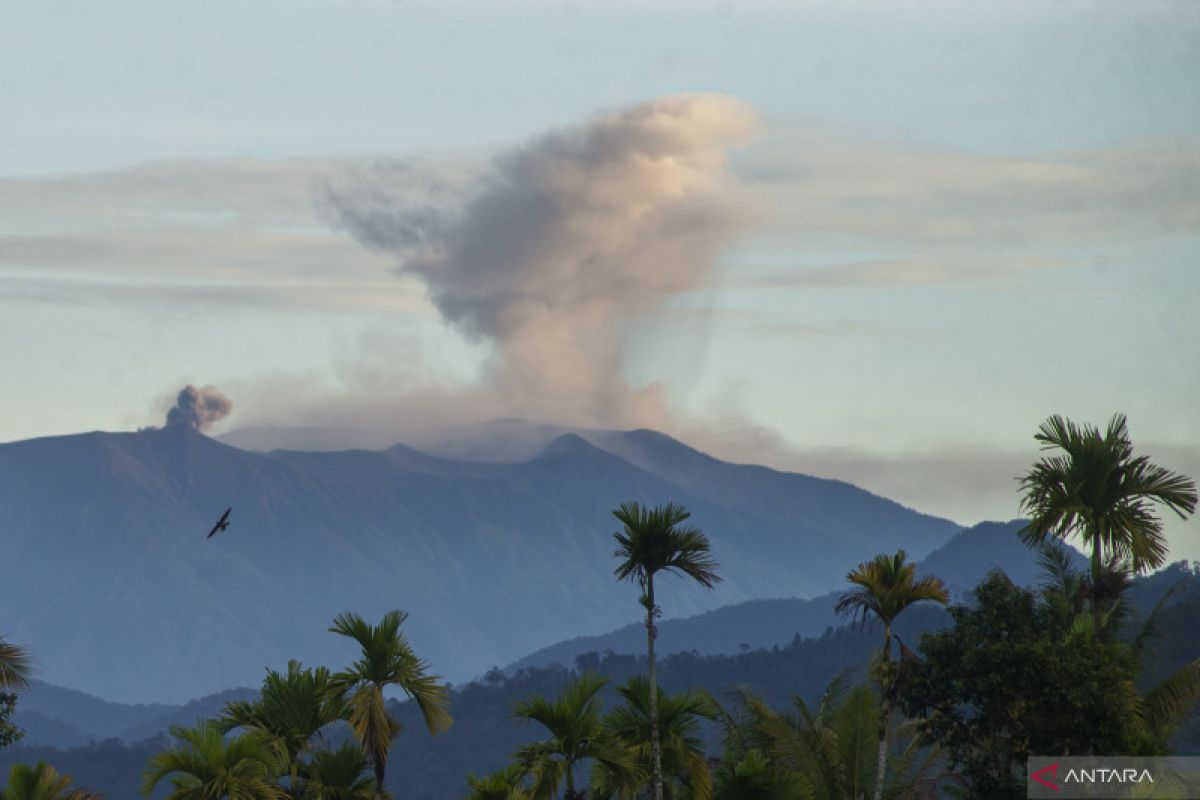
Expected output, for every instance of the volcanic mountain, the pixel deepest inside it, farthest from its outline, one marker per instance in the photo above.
(107, 578)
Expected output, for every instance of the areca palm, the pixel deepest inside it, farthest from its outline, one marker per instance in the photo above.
(207, 766)
(1165, 706)
(15, 666)
(41, 782)
(682, 748)
(821, 753)
(576, 733)
(887, 585)
(339, 775)
(1097, 489)
(749, 775)
(1066, 592)
(292, 708)
(657, 540)
(507, 784)
(386, 659)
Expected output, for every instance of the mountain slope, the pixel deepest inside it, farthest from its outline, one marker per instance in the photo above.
(107, 577)
(961, 563)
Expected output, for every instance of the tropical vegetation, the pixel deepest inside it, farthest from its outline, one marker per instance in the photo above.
(15, 667)
(42, 782)
(1092, 486)
(657, 540)
(887, 586)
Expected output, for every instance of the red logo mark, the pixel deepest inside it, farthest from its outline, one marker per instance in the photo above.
(1053, 770)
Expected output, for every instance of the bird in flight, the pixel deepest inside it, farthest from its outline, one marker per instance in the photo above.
(222, 523)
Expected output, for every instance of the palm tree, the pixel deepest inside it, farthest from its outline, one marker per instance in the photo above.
(386, 660)
(507, 784)
(42, 782)
(749, 775)
(207, 766)
(15, 666)
(821, 753)
(1162, 708)
(576, 733)
(339, 775)
(656, 540)
(1067, 592)
(887, 585)
(1097, 489)
(291, 709)
(682, 748)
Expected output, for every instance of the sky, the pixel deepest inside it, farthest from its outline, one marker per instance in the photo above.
(874, 241)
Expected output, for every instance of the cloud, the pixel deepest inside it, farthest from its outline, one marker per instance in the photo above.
(569, 237)
(249, 234)
(838, 199)
(198, 409)
(382, 296)
(914, 271)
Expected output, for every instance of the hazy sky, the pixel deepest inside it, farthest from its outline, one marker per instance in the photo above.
(880, 241)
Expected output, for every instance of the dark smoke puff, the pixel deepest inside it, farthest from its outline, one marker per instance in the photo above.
(198, 408)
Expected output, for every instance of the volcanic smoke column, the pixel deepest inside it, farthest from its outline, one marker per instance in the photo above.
(198, 409)
(568, 238)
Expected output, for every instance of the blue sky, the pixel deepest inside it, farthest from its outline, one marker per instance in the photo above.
(962, 217)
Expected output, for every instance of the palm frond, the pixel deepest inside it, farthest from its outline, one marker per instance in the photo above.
(654, 540)
(1169, 703)
(1095, 487)
(1149, 626)
(15, 666)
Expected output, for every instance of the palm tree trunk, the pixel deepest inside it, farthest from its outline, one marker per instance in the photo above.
(379, 764)
(885, 712)
(656, 776)
(1097, 563)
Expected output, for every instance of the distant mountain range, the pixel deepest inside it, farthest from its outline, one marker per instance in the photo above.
(107, 578)
(69, 718)
(51, 715)
(961, 563)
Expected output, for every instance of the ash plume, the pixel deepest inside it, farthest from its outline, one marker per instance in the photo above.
(569, 237)
(198, 408)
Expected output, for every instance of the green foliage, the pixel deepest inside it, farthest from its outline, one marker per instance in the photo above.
(828, 752)
(15, 666)
(386, 659)
(1009, 680)
(9, 733)
(1169, 704)
(749, 775)
(339, 775)
(576, 734)
(507, 784)
(887, 585)
(42, 782)
(685, 768)
(207, 766)
(1097, 489)
(290, 711)
(656, 540)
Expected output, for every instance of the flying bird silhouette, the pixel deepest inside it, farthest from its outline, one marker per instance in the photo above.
(221, 525)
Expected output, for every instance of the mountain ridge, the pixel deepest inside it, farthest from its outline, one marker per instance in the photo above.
(492, 560)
